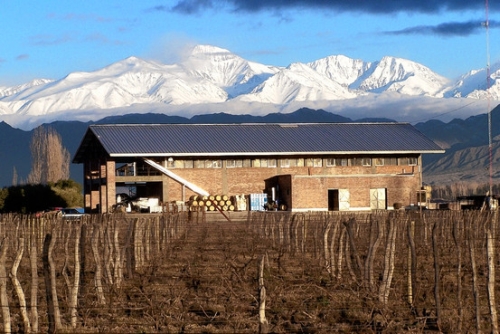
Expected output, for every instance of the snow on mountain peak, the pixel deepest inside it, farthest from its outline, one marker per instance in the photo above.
(403, 76)
(226, 70)
(340, 68)
(214, 75)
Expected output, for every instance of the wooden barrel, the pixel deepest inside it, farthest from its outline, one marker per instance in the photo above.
(228, 202)
(231, 208)
(193, 197)
(222, 203)
(208, 202)
(218, 198)
(225, 197)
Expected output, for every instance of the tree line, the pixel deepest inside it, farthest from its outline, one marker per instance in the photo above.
(48, 184)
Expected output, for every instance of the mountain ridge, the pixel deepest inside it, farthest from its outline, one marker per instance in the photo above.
(212, 75)
(465, 141)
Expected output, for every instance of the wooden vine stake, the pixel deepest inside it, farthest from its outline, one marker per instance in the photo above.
(328, 263)
(98, 264)
(48, 284)
(491, 281)
(475, 288)
(385, 286)
(357, 269)
(332, 248)
(34, 280)
(73, 297)
(437, 297)
(4, 301)
(18, 288)
(52, 271)
(456, 238)
(263, 324)
(412, 263)
(376, 233)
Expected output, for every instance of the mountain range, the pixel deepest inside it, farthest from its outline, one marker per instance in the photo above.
(213, 85)
(211, 79)
(466, 142)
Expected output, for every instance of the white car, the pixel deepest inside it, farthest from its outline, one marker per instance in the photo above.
(72, 214)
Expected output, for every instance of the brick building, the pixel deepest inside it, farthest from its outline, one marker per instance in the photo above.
(326, 166)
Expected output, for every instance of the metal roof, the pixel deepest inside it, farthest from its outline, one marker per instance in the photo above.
(121, 140)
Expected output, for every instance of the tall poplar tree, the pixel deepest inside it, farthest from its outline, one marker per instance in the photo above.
(49, 158)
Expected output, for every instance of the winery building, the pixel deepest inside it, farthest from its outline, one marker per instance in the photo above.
(301, 167)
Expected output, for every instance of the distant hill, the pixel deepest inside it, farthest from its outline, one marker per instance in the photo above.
(467, 153)
(466, 141)
(15, 150)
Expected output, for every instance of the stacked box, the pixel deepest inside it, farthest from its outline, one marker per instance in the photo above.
(258, 202)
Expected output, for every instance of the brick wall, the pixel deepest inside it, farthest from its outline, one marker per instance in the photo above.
(309, 185)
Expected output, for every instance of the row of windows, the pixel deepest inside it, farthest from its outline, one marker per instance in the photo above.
(299, 162)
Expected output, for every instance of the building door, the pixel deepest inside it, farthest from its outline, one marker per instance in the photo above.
(333, 200)
(378, 199)
(338, 200)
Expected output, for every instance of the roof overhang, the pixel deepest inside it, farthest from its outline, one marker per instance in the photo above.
(254, 154)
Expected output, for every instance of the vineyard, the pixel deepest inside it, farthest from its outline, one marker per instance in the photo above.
(279, 272)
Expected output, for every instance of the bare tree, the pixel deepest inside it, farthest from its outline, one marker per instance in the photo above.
(50, 159)
(15, 177)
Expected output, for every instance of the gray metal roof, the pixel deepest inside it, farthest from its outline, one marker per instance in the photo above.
(123, 140)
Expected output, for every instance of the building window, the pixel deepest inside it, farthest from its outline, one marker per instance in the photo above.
(213, 163)
(331, 162)
(378, 161)
(391, 161)
(362, 162)
(285, 163)
(208, 164)
(314, 162)
(264, 163)
(234, 163)
(408, 161)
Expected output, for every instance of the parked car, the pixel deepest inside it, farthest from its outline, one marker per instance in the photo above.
(72, 213)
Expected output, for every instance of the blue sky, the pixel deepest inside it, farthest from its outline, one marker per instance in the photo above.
(49, 39)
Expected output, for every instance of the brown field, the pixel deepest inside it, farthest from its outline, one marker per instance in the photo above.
(274, 272)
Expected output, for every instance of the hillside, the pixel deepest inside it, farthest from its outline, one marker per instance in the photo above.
(466, 141)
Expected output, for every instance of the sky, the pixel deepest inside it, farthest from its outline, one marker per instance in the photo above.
(50, 39)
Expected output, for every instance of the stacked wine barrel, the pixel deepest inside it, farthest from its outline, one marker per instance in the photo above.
(210, 203)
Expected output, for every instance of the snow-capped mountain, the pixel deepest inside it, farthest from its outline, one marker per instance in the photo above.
(211, 75)
(402, 76)
(474, 84)
(297, 82)
(341, 69)
(226, 70)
